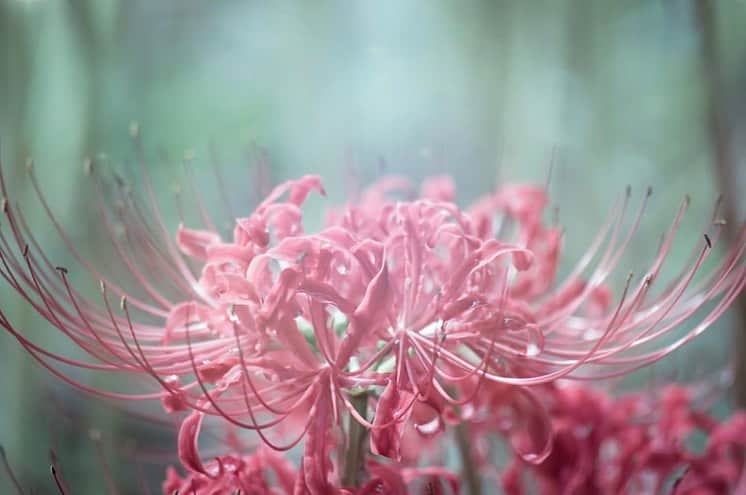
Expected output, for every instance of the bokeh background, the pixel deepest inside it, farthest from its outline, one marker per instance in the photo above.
(641, 92)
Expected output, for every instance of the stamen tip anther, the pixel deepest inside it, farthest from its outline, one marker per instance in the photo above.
(102, 286)
(25, 251)
(708, 241)
(649, 191)
(720, 221)
(5, 205)
(61, 269)
(628, 190)
(123, 303)
(687, 200)
(29, 164)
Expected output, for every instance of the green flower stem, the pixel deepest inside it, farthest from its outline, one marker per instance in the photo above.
(354, 454)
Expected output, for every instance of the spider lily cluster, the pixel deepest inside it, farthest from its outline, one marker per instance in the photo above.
(405, 318)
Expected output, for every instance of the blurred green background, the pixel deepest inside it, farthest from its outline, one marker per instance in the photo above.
(636, 92)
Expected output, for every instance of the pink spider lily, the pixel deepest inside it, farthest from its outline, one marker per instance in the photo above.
(267, 472)
(230, 473)
(396, 480)
(263, 473)
(634, 444)
(413, 303)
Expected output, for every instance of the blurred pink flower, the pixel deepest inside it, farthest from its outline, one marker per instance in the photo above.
(636, 443)
(263, 473)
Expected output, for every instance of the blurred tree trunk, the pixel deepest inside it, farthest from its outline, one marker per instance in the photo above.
(14, 146)
(40, 51)
(724, 161)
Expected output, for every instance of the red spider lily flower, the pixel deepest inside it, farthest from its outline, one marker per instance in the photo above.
(634, 444)
(414, 301)
(396, 480)
(721, 467)
(263, 473)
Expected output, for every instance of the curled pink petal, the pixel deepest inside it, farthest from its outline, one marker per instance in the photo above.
(188, 446)
(196, 243)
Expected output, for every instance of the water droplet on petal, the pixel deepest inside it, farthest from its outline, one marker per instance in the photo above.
(592, 334)
(430, 428)
(531, 458)
(535, 343)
